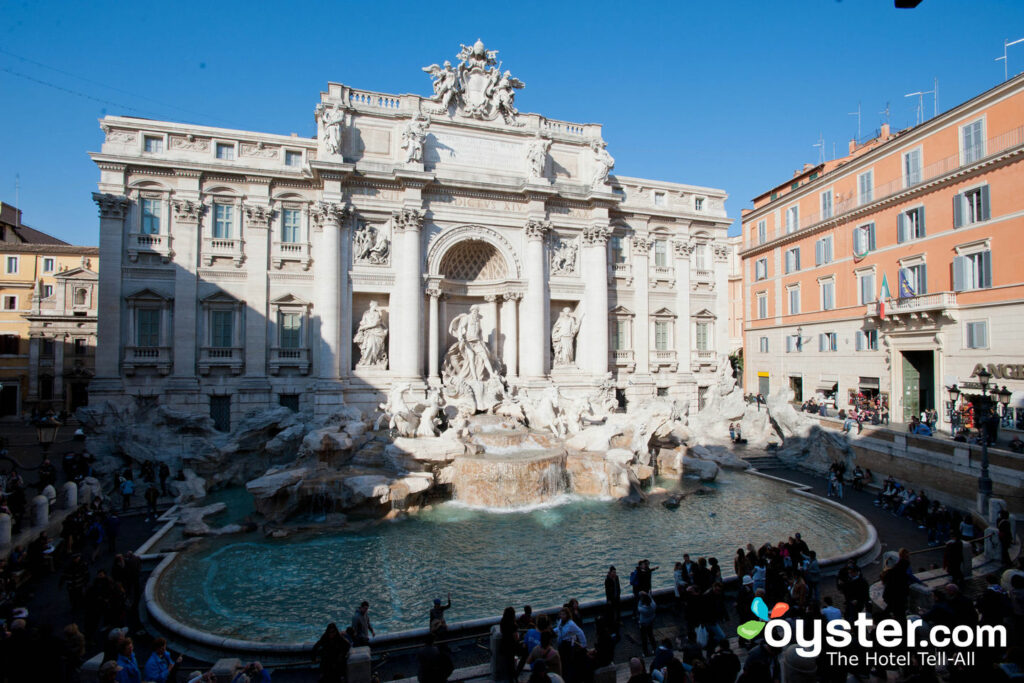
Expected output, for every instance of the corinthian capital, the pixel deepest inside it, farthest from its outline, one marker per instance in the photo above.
(642, 245)
(111, 205)
(258, 216)
(683, 247)
(536, 229)
(187, 211)
(721, 252)
(596, 235)
(324, 213)
(407, 219)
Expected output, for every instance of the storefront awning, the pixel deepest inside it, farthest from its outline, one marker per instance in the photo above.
(868, 382)
(826, 386)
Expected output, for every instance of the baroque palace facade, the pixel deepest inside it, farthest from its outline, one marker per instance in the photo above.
(249, 269)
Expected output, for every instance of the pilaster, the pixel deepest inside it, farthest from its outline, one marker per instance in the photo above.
(407, 297)
(534, 335)
(594, 327)
(113, 209)
(187, 216)
(721, 264)
(683, 249)
(328, 218)
(258, 221)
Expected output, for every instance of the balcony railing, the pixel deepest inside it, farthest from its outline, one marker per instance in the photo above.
(289, 358)
(158, 357)
(220, 247)
(231, 357)
(663, 272)
(663, 358)
(916, 304)
(994, 145)
(142, 243)
(703, 275)
(623, 358)
(280, 252)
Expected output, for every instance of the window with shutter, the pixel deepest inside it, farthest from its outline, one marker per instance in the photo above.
(912, 167)
(821, 342)
(859, 341)
(972, 142)
(865, 187)
(959, 273)
(977, 335)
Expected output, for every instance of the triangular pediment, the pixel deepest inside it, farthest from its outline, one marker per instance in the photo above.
(147, 294)
(219, 297)
(289, 300)
(79, 273)
(663, 313)
(621, 310)
(704, 313)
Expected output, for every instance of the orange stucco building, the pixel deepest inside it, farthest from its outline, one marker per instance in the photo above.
(936, 212)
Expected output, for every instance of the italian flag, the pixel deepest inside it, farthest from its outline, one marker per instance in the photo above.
(883, 296)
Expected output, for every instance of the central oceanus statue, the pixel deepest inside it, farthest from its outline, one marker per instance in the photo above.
(470, 371)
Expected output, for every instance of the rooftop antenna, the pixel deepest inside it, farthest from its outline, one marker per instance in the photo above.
(17, 200)
(820, 144)
(857, 114)
(935, 97)
(886, 112)
(920, 102)
(1007, 43)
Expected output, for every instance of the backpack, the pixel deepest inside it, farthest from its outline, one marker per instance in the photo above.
(632, 578)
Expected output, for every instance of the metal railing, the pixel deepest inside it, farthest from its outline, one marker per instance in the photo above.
(913, 304)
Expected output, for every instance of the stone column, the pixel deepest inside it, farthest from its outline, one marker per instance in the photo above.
(683, 248)
(33, 367)
(492, 299)
(641, 300)
(187, 216)
(594, 328)
(407, 297)
(328, 217)
(58, 368)
(113, 210)
(534, 336)
(720, 341)
(510, 326)
(433, 335)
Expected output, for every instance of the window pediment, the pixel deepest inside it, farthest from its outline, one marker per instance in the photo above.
(621, 312)
(704, 314)
(147, 294)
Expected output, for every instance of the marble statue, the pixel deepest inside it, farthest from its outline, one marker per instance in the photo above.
(429, 420)
(501, 94)
(370, 245)
(545, 414)
(603, 163)
(371, 337)
(413, 136)
(537, 156)
(401, 418)
(469, 357)
(563, 256)
(563, 336)
(332, 120)
(447, 83)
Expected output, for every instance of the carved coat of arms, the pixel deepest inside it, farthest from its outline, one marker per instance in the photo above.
(476, 86)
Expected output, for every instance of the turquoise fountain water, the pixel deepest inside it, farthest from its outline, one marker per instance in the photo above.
(286, 590)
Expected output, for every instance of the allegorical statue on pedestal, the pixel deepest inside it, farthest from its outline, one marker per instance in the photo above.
(563, 336)
(603, 163)
(470, 371)
(371, 338)
(414, 135)
(332, 121)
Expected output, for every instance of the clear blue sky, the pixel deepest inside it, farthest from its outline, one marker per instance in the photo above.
(731, 94)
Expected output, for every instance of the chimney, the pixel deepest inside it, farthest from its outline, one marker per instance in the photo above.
(808, 167)
(853, 146)
(885, 131)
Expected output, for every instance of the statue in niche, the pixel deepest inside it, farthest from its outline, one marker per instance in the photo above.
(413, 136)
(563, 256)
(603, 162)
(537, 156)
(563, 336)
(332, 120)
(371, 337)
(370, 245)
(468, 358)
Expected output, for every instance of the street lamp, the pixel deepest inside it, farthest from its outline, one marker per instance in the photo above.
(985, 412)
(954, 396)
(46, 431)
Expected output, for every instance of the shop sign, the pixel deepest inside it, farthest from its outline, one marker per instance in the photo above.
(1000, 371)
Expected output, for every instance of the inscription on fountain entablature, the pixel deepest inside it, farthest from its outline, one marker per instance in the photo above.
(476, 202)
(444, 148)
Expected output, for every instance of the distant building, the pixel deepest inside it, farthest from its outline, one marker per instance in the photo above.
(47, 318)
(937, 213)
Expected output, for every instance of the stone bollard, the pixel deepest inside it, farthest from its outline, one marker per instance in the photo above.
(51, 494)
(797, 669)
(90, 671)
(224, 670)
(495, 644)
(5, 530)
(360, 669)
(606, 674)
(84, 494)
(69, 499)
(40, 511)
(993, 550)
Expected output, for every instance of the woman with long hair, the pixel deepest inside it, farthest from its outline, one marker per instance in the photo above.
(332, 651)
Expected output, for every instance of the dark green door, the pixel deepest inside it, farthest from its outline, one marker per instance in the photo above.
(911, 390)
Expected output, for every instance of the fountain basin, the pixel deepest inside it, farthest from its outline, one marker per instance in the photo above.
(277, 594)
(523, 478)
